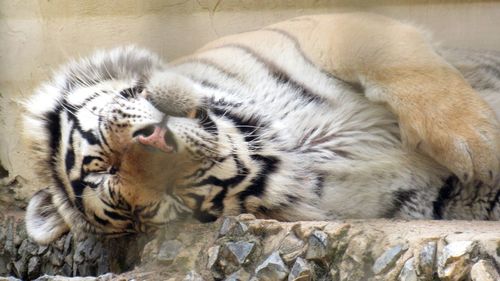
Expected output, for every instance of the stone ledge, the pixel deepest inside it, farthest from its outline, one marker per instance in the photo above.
(243, 248)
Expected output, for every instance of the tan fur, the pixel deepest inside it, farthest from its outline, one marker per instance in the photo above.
(439, 113)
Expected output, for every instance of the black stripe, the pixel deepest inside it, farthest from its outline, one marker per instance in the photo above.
(53, 127)
(131, 92)
(100, 220)
(494, 203)
(279, 75)
(70, 155)
(87, 135)
(148, 211)
(211, 64)
(78, 187)
(206, 122)
(269, 165)
(298, 48)
(249, 127)
(115, 215)
(88, 159)
(202, 216)
(320, 183)
(445, 193)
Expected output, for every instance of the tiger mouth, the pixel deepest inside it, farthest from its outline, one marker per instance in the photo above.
(159, 137)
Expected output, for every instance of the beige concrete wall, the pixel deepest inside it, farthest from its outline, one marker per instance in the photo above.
(37, 36)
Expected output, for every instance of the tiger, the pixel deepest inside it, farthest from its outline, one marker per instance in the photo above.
(323, 117)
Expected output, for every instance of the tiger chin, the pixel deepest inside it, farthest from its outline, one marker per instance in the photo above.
(266, 123)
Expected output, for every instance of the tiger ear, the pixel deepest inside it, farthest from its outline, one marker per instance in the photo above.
(44, 224)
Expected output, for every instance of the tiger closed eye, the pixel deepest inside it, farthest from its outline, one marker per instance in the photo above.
(113, 170)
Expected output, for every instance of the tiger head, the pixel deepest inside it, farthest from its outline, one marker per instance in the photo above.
(101, 145)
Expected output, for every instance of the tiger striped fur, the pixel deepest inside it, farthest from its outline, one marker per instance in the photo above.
(280, 122)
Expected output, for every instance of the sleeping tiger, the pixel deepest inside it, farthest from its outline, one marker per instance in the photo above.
(315, 118)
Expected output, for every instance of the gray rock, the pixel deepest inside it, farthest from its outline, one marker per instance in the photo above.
(42, 249)
(9, 246)
(68, 242)
(193, 276)
(426, 258)
(59, 243)
(239, 251)
(34, 266)
(57, 258)
(20, 267)
(271, 269)
(169, 250)
(388, 258)
(454, 261)
(318, 243)
(232, 227)
(240, 275)
(9, 279)
(301, 271)
(291, 247)
(408, 272)
(484, 271)
(213, 255)
(64, 278)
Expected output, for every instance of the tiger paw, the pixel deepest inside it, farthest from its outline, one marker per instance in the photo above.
(460, 132)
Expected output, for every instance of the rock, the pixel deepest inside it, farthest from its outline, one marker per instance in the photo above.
(9, 246)
(291, 247)
(57, 258)
(213, 255)
(68, 242)
(169, 250)
(231, 227)
(352, 255)
(301, 271)
(9, 279)
(34, 267)
(425, 262)
(272, 269)
(64, 278)
(484, 271)
(318, 243)
(193, 276)
(240, 275)
(388, 258)
(454, 260)
(238, 251)
(408, 272)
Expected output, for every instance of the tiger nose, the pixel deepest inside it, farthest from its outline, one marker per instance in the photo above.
(146, 131)
(156, 136)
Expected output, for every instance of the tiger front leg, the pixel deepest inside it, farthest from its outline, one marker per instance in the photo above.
(438, 111)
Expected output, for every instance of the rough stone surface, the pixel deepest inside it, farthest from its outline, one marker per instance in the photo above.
(193, 276)
(169, 250)
(454, 260)
(301, 271)
(408, 273)
(484, 271)
(244, 248)
(239, 251)
(318, 243)
(20, 257)
(272, 268)
(426, 258)
(386, 260)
